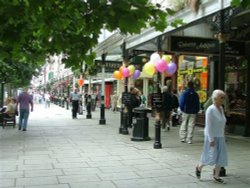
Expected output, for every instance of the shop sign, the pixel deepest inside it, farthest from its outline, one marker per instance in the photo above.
(126, 98)
(205, 46)
(110, 66)
(156, 101)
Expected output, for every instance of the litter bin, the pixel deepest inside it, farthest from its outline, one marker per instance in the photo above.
(140, 129)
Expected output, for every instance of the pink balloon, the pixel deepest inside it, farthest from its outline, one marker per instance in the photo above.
(136, 74)
(125, 72)
(171, 68)
(160, 65)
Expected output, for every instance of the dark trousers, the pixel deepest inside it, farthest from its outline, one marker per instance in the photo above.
(165, 118)
(75, 105)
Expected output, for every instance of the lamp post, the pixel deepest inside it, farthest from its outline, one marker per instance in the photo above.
(102, 120)
(123, 129)
(158, 98)
(157, 143)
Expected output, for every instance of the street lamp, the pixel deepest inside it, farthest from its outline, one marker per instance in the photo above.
(102, 120)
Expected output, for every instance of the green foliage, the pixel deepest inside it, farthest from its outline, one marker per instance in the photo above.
(32, 29)
(241, 3)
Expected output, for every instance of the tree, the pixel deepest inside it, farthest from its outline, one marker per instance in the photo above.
(31, 29)
(241, 3)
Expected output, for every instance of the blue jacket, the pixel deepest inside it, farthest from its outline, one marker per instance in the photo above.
(189, 102)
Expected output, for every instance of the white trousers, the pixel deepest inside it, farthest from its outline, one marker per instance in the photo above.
(187, 126)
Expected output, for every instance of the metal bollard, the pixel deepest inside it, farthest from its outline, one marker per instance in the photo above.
(102, 120)
(157, 143)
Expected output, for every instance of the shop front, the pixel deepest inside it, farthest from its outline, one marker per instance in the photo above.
(198, 61)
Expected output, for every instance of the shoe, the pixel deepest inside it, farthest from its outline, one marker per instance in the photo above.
(24, 130)
(190, 142)
(197, 172)
(168, 128)
(19, 128)
(183, 140)
(219, 180)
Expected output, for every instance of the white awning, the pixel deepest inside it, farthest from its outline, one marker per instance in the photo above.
(99, 81)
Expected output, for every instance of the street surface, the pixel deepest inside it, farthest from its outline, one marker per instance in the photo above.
(57, 151)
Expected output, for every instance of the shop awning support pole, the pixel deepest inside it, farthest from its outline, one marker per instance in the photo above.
(247, 122)
(221, 38)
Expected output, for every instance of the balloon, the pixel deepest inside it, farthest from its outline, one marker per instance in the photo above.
(121, 67)
(117, 75)
(160, 65)
(125, 72)
(136, 74)
(149, 68)
(171, 68)
(80, 82)
(167, 58)
(131, 69)
(155, 57)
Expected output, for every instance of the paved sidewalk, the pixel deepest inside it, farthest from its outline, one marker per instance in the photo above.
(57, 151)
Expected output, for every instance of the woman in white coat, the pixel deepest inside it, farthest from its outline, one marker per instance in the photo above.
(214, 149)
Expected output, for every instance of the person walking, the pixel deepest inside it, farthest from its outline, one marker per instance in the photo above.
(25, 105)
(114, 100)
(190, 106)
(74, 98)
(166, 108)
(47, 100)
(214, 149)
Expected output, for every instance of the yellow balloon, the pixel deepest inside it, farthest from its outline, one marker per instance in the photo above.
(149, 68)
(167, 58)
(131, 69)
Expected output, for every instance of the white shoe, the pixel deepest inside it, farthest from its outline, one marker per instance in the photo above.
(190, 142)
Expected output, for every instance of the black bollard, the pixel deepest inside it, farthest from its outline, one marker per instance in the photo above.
(125, 122)
(157, 144)
(89, 115)
(121, 120)
(67, 104)
(102, 120)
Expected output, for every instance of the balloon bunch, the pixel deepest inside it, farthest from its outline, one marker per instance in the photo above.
(124, 72)
(160, 64)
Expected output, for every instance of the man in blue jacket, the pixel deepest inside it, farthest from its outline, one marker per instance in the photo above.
(190, 106)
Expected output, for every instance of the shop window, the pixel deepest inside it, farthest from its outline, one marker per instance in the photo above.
(193, 68)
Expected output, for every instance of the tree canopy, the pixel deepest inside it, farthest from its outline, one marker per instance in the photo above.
(32, 29)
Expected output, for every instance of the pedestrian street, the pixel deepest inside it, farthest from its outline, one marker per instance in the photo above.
(57, 151)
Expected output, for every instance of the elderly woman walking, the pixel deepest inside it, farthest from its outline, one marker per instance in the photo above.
(214, 149)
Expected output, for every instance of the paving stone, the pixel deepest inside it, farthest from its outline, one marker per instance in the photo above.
(40, 173)
(36, 181)
(6, 182)
(49, 186)
(102, 184)
(78, 178)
